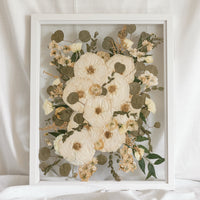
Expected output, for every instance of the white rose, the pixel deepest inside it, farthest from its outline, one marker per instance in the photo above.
(149, 59)
(48, 107)
(128, 43)
(56, 82)
(151, 105)
(76, 47)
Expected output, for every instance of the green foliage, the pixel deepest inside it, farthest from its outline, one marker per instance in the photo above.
(58, 36)
(151, 171)
(141, 138)
(73, 98)
(44, 153)
(119, 67)
(65, 169)
(142, 165)
(101, 159)
(84, 36)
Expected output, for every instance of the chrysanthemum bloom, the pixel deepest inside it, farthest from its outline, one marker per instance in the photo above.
(92, 67)
(112, 140)
(117, 90)
(80, 86)
(98, 111)
(148, 79)
(78, 149)
(124, 64)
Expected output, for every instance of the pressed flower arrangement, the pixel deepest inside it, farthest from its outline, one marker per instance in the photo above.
(99, 104)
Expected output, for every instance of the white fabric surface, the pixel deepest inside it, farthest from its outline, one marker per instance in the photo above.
(15, 83)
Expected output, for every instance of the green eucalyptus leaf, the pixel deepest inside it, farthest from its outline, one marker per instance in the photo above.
(131, 28)
(145, 112)
(143, 147)
(73, 98)
(134, 88)
(161, 88)
(141, 138)
(152, 170)
(140, 66)
(159, 161)
(101, 159)
(43, 166)
(84, 36)
(78, 118)
(142, 165)
(68, 71)
(104, 91)
(44, 153)
(65, 169)
(119, 68)
(143, 117)
(58, 36)
(66, 114)
(107, 43)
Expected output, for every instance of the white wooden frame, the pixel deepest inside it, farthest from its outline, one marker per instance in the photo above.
(36, 21)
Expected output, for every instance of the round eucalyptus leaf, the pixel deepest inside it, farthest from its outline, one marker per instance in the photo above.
(50, 89)
(137, 101)
(84, 36)
(68, 71)
(131, 28)
(78, 118)
(104, 91)
(157, 125)
(58, 36)
(119, 67)
(73, 98)
(65, 169)
(145, 112)
(140, 122)
(134, 88)
(44, 153)
(152, 69)
(140, 66)
(107, 43)
(101, 159)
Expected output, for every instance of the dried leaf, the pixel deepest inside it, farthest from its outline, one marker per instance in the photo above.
(137, 101)
(104, 91)
(131, 28)
(58, 36)
(44, 153)
(73, 98)
(107, 43)
(78, 118)
(101, 159)
(119, 67)
(152, 69)
(65, 169)
(157, 125)
(134, 88)
(84, 36)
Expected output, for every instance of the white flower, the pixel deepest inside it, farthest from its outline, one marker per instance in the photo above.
(91, 66)
(75, 47)
(139, 153)
(112, 140)
(148, 79)
(128, 43)
(151, 105)
(56, 82)
(129, 72)
(78, 149)
(135, 53)
(79, 85)
(57, 143)
(53, 45)
(148, 44)
(48, 107)
(149, 59)
(117, 90)
(98, 111)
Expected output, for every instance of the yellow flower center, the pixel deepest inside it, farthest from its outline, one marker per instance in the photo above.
(108, 134)
(76, 146)
(98, 110)
(81, 94)
(95, 90)
(90, 70)
(112, 88)
(125, 107)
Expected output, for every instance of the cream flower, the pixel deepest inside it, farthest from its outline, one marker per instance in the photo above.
(117, 90)
(81, 86)
(149, 59)
(137, 54)
(48, 107)
(57, 143)
(112, 140)
(129, 70)
(53, 45)
(75, 47)
(151, 105)
(128, 43)
(148, 44)
(98, 111)
(56, 82)
(148, 79)
(92, 67)
(78, 149)
(139, 153)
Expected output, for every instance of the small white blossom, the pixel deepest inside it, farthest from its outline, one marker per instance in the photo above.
(48, 107)
(151, 105)
(76, 47)
(149, 59)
